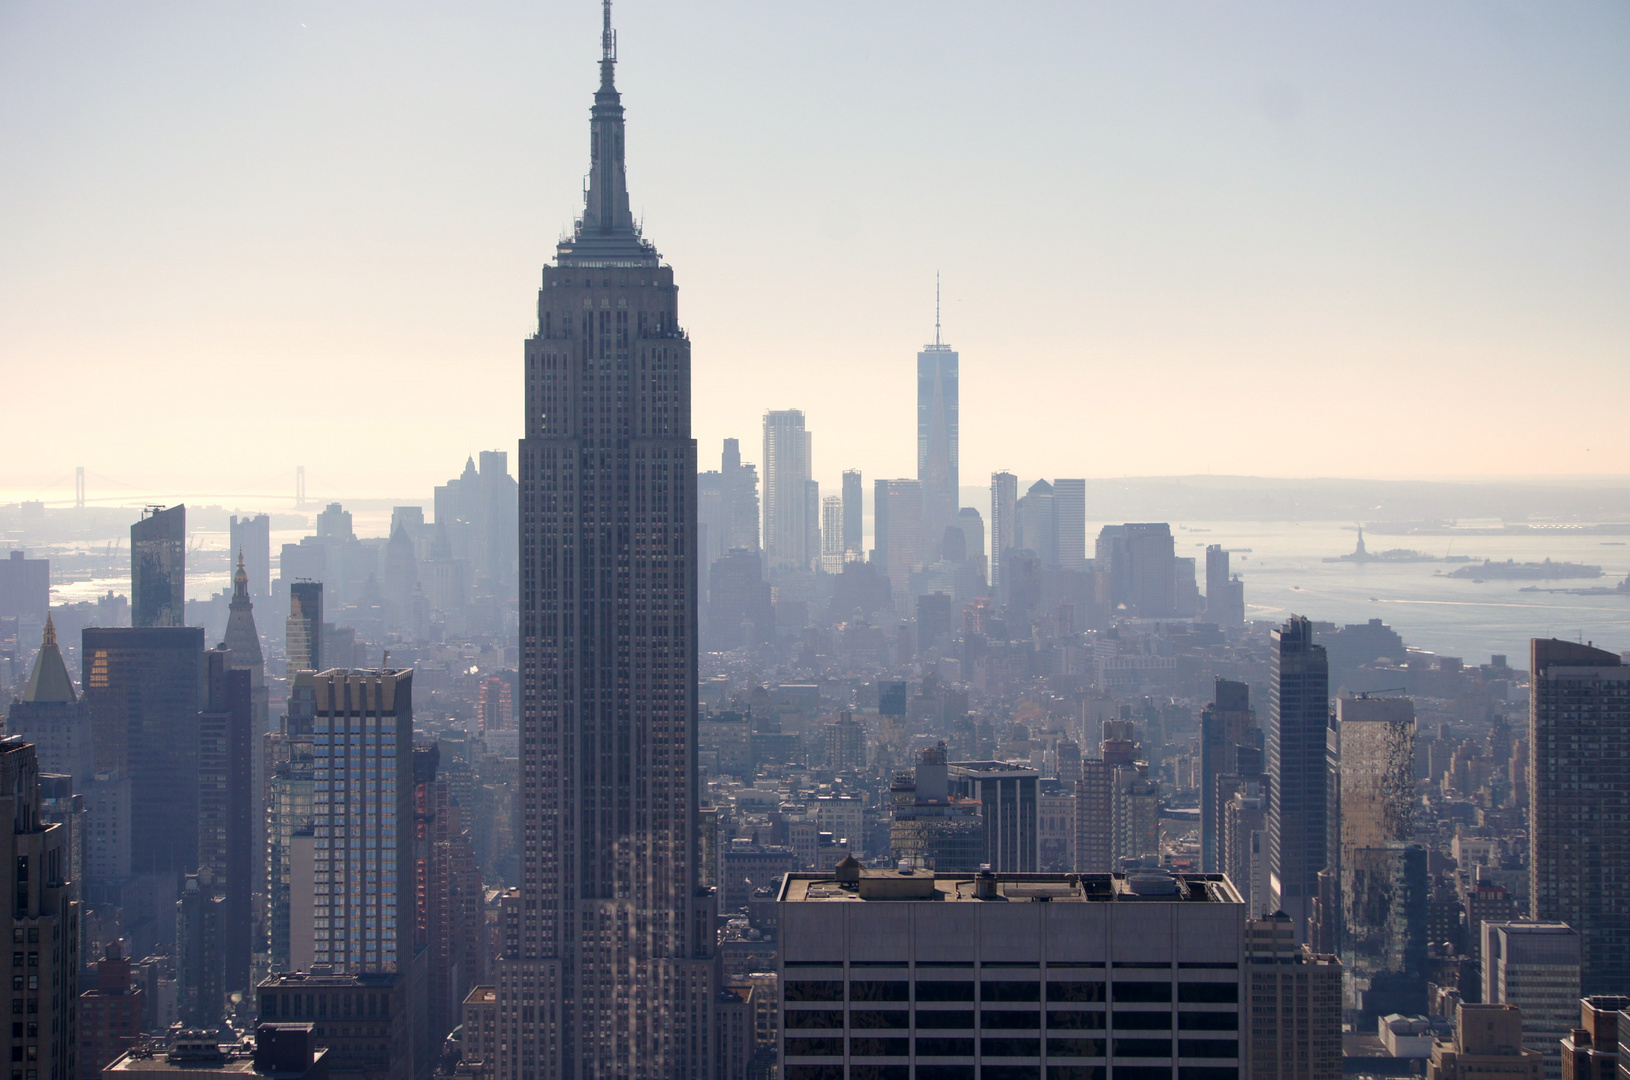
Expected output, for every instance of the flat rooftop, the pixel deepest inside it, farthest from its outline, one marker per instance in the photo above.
(235, 1062)
(929, 886)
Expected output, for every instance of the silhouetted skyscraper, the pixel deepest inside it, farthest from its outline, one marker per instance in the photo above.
(854, 521)
(1579, 793)
(251, 538)
(937, 432)
(227, 807)
(1298, 717)
(1004, 513)
(787, 447)
(972, 524)
(25, 586)
(1228, 722)
(1140, 559)
(897, 530)
(1038, 523)
(158, 568)
(1225, 595)
(727, 503)
(606, 962)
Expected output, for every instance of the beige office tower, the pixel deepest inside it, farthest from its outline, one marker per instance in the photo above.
(1487, 1045)
(1535, 966)
(1293, 1014)
(606, 968)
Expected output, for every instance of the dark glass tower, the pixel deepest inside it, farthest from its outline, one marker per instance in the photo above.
(158, 568)
(606, 969)
(1298, 719)
(1579, 789)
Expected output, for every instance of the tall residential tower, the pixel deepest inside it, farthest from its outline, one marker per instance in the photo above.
(1298, 717)
(606, 963)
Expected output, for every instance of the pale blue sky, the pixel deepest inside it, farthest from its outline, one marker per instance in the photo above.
(1282, 239)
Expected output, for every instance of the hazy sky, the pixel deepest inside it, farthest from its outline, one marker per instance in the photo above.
(1296, 239)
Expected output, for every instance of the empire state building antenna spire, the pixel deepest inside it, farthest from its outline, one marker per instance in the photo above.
(605, 211)
(608, 46)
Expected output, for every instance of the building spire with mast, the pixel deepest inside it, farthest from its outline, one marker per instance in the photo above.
(936, 297)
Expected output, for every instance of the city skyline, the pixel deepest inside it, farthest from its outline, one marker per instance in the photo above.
(1276, 141)
(647, 760)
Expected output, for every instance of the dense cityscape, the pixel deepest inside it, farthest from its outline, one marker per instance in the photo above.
(620, 756)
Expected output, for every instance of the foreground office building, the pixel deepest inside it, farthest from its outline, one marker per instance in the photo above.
(351, 894)
(1062, 976)
(1579, 847)
(606, 967)
(42, 920)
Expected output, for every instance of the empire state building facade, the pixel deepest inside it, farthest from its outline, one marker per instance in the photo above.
(607, 964)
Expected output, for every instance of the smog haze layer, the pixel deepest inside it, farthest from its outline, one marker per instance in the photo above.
(1384, 240)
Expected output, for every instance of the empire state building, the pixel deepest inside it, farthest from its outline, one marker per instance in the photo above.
(607, 951)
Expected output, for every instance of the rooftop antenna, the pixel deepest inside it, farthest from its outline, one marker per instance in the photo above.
(608, 36)
(936, 295)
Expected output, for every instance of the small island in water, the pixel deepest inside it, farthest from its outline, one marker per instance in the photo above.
(1511, 570)
(1361, 554)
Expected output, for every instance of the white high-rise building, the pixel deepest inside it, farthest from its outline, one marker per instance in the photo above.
(1070, 522)
(832, 534)
(788, 447)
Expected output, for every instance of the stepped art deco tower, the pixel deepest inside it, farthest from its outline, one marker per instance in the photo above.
(607, 957)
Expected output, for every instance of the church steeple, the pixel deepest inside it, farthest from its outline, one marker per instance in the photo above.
(240, 585)
(241, 635)
(605, 212)
(49, 681)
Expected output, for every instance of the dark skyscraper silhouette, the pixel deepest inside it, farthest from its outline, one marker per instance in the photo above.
(607, 967)
(158, 568)
(854, 523)
(1225, 724)
(1298, 718)
(251, 539)
(937, 432)
(1579, 767)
